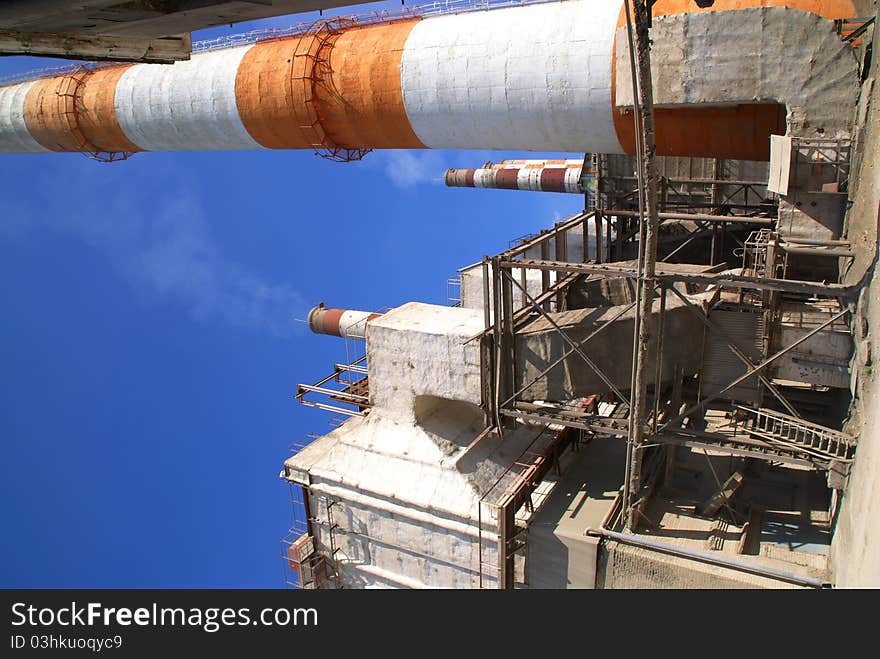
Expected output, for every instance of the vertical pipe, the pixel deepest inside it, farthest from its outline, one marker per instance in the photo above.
(486, 319)
(649, 252)
(712, 247)
(585, 229)
(496, 331)
(714, 189)
(561, 257)
(608, 239)
(545, 275)
(562, 246)
(508, 344)
(488, 385)
(505, 564)
(480, 541)
(640, 176)
(723, 236)
(658, 362)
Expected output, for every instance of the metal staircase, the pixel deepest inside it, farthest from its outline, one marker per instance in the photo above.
(813, 438)
(770, 435)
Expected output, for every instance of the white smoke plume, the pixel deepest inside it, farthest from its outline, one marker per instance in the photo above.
(158, 239)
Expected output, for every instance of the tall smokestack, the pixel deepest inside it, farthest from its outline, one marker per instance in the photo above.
(539, 77)
(340, 322)
(535, 175)
(527, 163)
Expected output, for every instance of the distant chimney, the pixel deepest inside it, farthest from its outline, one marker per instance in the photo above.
(340, 322)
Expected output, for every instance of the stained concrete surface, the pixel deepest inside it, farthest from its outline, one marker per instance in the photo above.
(747, 56)
(560, 554)
(539, 344)
(855, 557)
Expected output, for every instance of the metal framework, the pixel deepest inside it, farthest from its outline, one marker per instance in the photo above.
(654, 416)
(781, 438)
(307, 563)
(354, 391)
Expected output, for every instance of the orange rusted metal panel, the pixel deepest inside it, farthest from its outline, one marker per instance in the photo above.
(50, 114)
(96, 111)
(362, 103)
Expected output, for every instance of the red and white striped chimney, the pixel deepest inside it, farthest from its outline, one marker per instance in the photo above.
(535, 175)
(537, 77)
(340, 322)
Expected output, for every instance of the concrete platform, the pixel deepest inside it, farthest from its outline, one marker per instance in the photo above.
(559, 553)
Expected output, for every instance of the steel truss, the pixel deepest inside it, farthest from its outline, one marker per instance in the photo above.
(505, 403)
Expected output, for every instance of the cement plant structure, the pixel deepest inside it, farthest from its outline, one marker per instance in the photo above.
(672, 388)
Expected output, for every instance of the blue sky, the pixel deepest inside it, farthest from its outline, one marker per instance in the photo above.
(149, 348)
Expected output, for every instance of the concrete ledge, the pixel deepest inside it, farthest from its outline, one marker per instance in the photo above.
(160, 50)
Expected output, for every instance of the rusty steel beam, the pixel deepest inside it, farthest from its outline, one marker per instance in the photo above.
(720, 279)
(700, 217)
(546, 235)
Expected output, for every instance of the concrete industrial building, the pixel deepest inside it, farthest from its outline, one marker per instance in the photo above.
(534, 433)
(128, 30)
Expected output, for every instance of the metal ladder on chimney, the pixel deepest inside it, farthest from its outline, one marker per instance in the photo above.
(332, 562)
(812, 437)
(487, 571)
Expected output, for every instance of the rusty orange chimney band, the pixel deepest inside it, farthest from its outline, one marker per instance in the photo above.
(340, 322)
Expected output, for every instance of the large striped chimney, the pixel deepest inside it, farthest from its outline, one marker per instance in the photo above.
(542, 77)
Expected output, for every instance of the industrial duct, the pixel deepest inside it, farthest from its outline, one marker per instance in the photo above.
(540, 77)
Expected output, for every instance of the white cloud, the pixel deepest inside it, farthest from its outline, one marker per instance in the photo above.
(410, 168)
(161, 244)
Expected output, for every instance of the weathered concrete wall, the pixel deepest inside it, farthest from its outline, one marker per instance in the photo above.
(855, 557)
(539, 344)
(559, 553)
(752, 56)
(813, 215)
(601, 292)
(418, 350)
(855, 548)
(406, 496)
(383, 544)
(821, 360)
(472, 286)
(862, 218)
